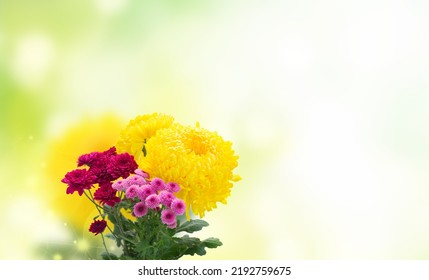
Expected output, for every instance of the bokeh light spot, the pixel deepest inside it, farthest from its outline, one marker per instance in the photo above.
(109, 7)
(33, 57)
(82, 245)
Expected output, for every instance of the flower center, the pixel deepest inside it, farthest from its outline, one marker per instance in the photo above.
(197, 143)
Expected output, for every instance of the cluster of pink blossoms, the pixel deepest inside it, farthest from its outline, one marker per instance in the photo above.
(152, 194)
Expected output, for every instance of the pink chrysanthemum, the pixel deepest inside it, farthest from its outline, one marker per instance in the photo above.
(166, 198)
(158, 184)
(152, 201)
(98, 226)
(132, 191)
(173, 225)
(172, 187)
(136, 180)
(140, 209)
(145, 191)
(178, 206)
(168, 217)
(120, 185)
(141, 173)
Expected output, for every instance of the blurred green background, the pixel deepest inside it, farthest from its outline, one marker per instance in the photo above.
(326, 102)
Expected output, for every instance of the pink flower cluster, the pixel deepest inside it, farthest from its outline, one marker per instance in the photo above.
(152, 194)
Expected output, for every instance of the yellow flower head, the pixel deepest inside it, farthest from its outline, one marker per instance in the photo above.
(200, 161)
(139, 130)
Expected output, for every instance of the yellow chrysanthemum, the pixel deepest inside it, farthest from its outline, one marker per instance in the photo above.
(200, 161)
(139, 130)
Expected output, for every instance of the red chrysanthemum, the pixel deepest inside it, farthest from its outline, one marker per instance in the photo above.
(79, 180)
(121, 165)
(88, 159)
(97, 226)
(106, 194)
(98, 165)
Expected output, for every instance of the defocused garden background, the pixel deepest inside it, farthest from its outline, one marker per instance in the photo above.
(326, 102)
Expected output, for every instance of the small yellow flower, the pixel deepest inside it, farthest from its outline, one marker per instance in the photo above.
(200, 161)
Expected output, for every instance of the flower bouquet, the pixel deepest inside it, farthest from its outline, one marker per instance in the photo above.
(149, 187)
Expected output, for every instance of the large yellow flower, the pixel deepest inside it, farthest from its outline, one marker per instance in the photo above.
(200, 161)
(139, 130)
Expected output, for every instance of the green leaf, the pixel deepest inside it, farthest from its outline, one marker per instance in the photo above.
(196, 246)
(110, 236)
(123, 257)
(143, 248)
(174, 252)
(188, 241)
(192, 226)
(200, 250)
(212, 242)
(108, 256)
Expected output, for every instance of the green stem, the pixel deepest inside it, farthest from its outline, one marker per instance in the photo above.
(116, 214)
(91, 198)
(105, 247)
(98, 207)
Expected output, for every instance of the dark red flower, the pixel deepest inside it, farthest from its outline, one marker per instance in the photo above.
(98, 226)
(104, 167)
(100, 172)
(110, 152)
(88, 159)
(78, 180)
(121, 165)
(106, 194)
(98, 165)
